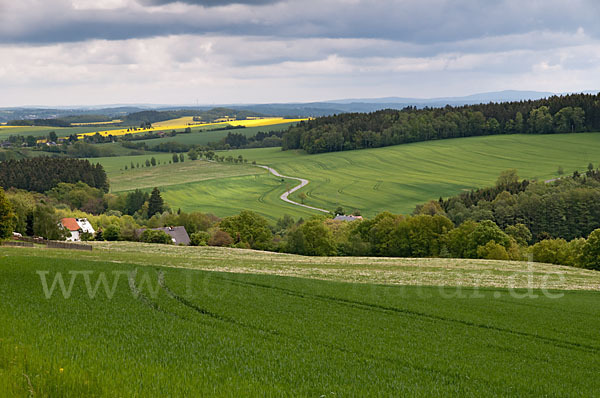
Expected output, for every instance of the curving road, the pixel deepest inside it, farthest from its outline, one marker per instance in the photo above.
(302, 184)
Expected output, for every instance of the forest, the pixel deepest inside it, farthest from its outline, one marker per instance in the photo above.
(557, 114)
(567, 208)
(43, 173)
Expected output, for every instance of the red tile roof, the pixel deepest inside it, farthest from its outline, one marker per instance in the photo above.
(70, 224)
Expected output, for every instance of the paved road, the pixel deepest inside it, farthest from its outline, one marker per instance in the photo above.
(302, 184)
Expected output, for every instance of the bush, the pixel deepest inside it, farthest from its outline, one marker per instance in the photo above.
(242, 245)
(199, 238)
(590, 256)
(151, 236)
(112, 233)
(220, 238)
(492, 251)
(552, 251)
(6, 217)
(250, 228)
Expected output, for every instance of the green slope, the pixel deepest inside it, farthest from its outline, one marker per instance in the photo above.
(393, 178)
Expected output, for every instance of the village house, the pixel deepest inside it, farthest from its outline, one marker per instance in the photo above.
(77, 226)
(179, 235)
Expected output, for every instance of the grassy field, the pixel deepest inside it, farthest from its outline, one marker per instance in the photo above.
(393, 178)
(398, 178)
(218, 188)
(185, 332)
(180, 173)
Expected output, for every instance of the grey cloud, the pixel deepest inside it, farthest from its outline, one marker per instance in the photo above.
(423, 23)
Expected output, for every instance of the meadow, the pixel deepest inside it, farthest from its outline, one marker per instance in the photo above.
(392, 179)
(184, 332)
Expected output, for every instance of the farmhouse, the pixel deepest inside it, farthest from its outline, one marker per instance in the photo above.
(77, 226)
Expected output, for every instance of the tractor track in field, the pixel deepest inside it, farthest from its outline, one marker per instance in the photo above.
(277, 333)
(285, 195)
(418, 314)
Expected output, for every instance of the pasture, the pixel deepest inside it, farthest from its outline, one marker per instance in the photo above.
(186, 332)
(394, 178)
(180, 173)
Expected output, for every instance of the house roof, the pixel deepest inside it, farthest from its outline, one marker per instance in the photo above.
(70, 224)
(178, 234)
(347, 218)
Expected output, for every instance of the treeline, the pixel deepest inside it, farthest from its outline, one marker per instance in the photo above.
(557, 114)
(201, 115)
(420, 235)
(566, 208)
(40, 122)
(63, 121)
(41, 174)
(193, 154)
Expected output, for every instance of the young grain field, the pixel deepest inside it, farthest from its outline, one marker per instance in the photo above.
(169, 331)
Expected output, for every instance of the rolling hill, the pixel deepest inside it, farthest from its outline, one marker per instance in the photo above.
(392, 179)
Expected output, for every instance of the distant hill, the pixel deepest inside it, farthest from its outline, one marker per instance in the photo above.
(300, 109)
(495, 96)
(328, 108)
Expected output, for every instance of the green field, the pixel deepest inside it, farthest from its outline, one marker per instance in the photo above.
(393, 178)
(179, 173)
(200, 333)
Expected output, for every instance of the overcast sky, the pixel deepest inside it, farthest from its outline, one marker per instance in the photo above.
(83, 52)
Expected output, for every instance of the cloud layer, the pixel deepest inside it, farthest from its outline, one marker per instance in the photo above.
(161, 51)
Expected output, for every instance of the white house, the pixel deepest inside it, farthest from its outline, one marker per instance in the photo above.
(77, 226)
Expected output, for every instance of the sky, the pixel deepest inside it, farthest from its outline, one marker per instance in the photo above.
(89, 52)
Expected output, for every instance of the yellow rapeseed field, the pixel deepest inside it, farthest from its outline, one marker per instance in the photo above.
(182, 123)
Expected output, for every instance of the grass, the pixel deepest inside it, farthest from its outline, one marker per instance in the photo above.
(181, 173)
(379, 270)
(225, 334)
(394, 178)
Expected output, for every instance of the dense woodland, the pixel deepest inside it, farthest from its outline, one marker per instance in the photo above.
(44, 173)
(567, 208)
(557, 114)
